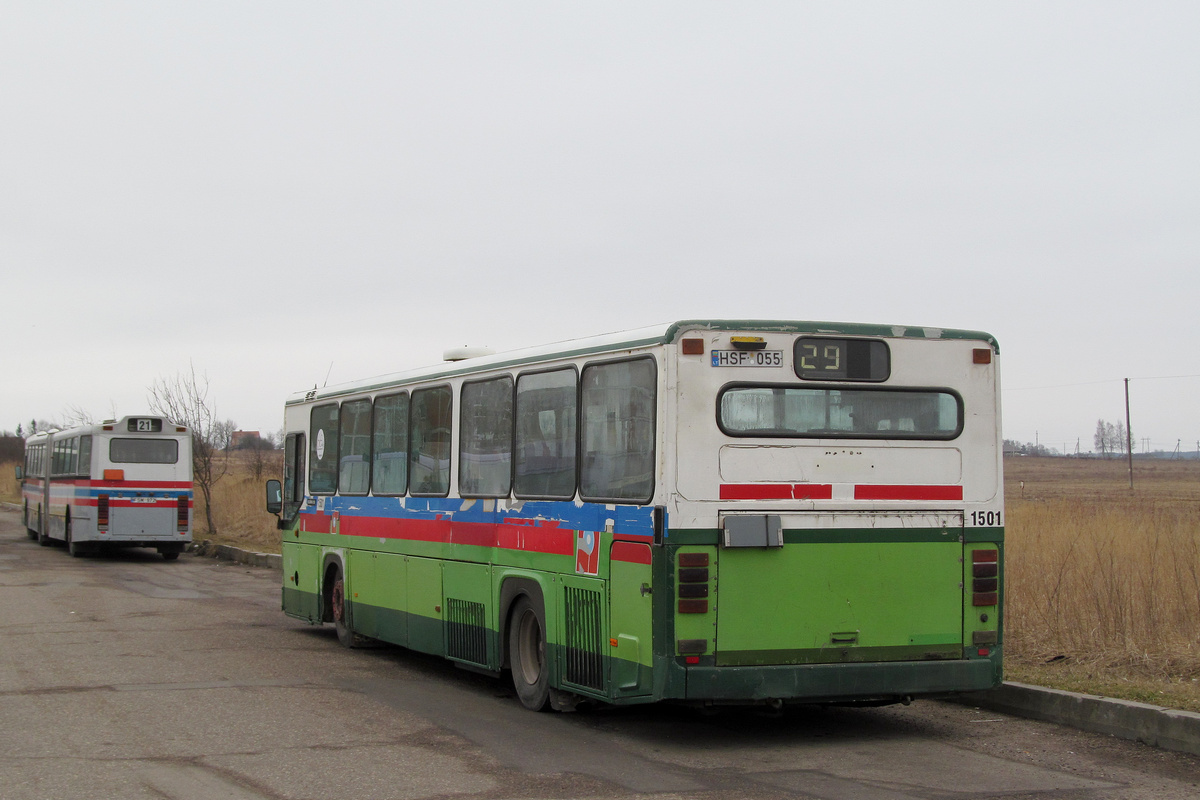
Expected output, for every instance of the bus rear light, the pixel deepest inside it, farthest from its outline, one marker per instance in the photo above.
(114, 474)
(693, 606)
(693, 590)
(693, 575)
(102, 512)
(748, 342)
(693, 559)
(981, 355)
(985, 570)
(691, 660)
(692, 347)
(181, 517)
(985, 583)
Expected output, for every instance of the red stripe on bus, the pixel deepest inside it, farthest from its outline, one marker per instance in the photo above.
(776, 491)
(908, 493)
(631, 553)
(543, 537)
(134, 485)
(756, 491)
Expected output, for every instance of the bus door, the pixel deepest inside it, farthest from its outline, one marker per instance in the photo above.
(839, 587)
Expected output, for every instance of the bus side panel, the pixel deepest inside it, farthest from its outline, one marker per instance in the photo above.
(579, 641)
(470, 615)
(423, 597)
(361, 591)
(631, 624)
(302, 581)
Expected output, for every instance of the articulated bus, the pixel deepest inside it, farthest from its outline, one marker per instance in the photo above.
(122, 483)
(707, 511)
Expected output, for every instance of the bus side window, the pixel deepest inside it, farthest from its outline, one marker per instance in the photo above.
(354, 464)
(85, 455)
(389, 460)
(323, 449)
(485, 438)
(546, 440)
(619, 404)
(429, 441)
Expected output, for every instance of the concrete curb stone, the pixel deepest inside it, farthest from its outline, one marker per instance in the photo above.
(240, 556)
(1168, 728)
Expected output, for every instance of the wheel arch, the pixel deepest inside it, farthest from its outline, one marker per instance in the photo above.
(333, 563)
(512, 588)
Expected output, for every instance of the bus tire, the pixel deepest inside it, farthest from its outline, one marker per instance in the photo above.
(171, 552)
(341, 624)
(42, 538)
(29, 528)
(527, 654)
(74, 548)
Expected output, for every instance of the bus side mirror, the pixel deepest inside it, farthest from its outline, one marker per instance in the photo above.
(20, 474)
(274, 497)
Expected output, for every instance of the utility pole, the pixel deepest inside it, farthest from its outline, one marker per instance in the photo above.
(1128, 434)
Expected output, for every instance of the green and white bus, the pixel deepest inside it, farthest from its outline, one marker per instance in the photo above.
(707, 511)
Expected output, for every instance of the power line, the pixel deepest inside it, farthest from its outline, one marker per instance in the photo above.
(1094, 383)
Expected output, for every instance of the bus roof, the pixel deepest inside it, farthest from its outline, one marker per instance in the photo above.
(108, 424)
(665, 333)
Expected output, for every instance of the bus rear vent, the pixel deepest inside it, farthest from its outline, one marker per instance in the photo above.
(585, 664)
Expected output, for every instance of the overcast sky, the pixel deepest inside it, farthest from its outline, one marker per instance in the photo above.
(283, 193)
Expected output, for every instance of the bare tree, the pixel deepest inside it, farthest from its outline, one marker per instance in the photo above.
(75, 416)
(184, 399)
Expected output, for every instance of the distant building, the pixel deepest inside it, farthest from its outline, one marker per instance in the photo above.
(240, 439)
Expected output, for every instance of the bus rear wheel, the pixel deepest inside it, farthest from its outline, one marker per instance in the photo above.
(527, 654)
(42, 538)
(74, 548)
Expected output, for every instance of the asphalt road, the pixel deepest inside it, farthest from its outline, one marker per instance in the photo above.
(126, 676)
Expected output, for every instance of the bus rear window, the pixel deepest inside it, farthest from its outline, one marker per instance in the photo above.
(821, 413)
(143, 451)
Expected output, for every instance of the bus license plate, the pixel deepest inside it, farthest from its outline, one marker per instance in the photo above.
(747, 358)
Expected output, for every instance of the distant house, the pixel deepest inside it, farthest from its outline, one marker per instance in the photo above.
(242, 439)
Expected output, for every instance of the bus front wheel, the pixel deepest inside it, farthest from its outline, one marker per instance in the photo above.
(527, 654)
(337, 597)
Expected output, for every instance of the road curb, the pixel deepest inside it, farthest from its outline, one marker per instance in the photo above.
(1168, 728)
(240, 556)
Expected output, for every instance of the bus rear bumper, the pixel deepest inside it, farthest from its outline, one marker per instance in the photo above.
(833, 683)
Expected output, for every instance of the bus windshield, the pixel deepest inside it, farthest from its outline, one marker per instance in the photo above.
(839, 413)
(143, 451)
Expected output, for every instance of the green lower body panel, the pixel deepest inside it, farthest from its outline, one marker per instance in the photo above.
(839, 682)
(301, 604)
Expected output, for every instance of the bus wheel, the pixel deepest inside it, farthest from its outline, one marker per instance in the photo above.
(29, 530)
(42, 538)
(340, 623)
(527, 654)
(171, 552)
(75, 549)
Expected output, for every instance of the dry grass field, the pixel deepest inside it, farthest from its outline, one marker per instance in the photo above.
(1102, 582)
